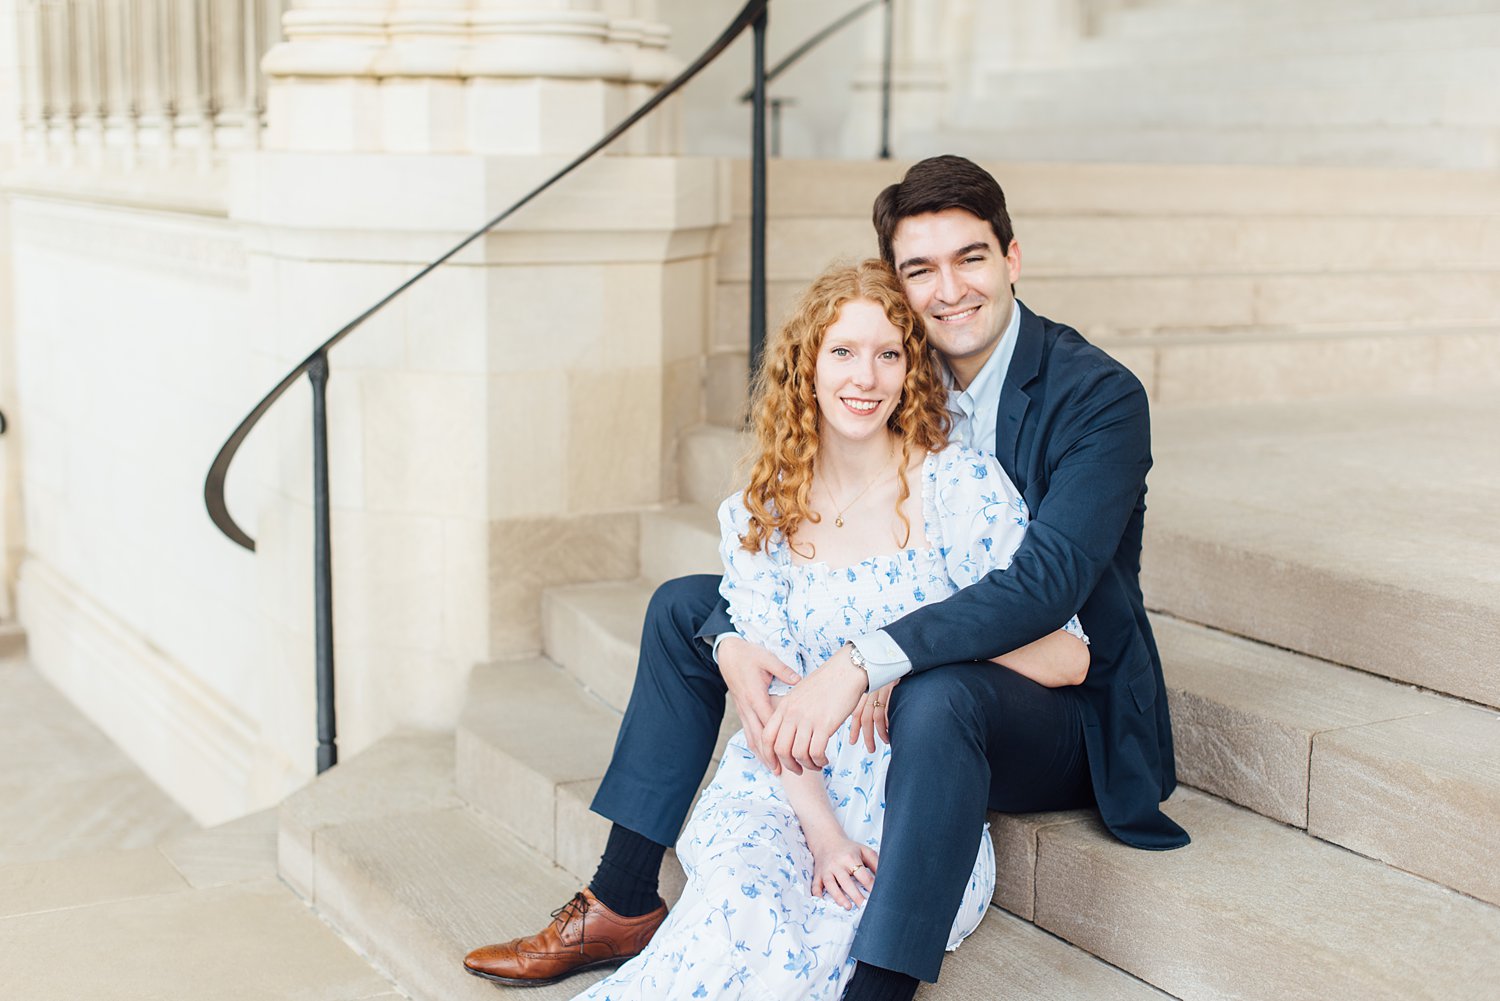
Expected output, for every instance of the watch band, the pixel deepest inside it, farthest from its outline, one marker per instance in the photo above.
(857, 658)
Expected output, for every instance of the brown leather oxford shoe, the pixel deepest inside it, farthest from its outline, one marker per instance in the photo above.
(583, 935)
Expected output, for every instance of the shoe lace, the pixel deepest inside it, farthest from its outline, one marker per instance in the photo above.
(579, 905)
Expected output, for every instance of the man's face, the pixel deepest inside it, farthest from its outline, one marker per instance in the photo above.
(958, 279)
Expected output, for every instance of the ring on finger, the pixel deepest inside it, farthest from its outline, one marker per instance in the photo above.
(878, 703)
(855, 869)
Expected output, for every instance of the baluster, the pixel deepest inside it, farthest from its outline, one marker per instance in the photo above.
(33, 70)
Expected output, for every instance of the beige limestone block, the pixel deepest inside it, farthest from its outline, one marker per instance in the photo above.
(422, 115)
(1430, 298)
(181, 945)
(466, 604)
(614, 453)
(1007, 959)
(678, 541)
(443, 318)
(528, 555)
(1341, 549)
(687, 286)
(59, 884)
(726, 392)
(323, 115)
(1251, 901)
(1294, 368)
(1100, 305)
(402, 773)
(682, 408)
(527, 419)
(711, 463)
(424, 443)
(1015, 836)
(509, 762)
(1245, 716)
(1421, 793)
(536, 116)
(592, 631)
(418, 891)
(798, 249)
(731, 329)
(235, 852)
(389, 579)
(543, 319)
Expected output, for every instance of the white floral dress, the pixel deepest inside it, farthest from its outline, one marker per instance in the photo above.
(747, 925)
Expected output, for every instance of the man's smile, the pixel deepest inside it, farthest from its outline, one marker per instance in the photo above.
(956, 317)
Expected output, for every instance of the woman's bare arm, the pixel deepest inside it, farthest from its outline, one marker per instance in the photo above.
(1057, 660)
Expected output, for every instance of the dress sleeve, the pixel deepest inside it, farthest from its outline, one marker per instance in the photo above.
(755, 585)
(980, 517)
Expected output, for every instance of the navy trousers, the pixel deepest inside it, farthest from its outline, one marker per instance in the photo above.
(964, 738)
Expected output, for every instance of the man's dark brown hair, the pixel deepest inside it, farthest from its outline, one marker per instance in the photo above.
(936, 184)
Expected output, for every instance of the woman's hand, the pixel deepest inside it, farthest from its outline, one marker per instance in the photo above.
(843, 870)
(872, 716)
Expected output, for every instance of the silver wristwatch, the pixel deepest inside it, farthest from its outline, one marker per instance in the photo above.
(858, 659)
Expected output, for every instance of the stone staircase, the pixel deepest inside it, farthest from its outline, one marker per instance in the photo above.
(1401, 82)
(1213, 284)
(1320, 573)
(1344, 820)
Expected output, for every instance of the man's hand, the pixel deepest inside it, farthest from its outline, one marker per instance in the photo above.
(747, 670)
(799, 729)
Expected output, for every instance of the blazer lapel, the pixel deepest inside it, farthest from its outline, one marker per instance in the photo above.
(1014, 400)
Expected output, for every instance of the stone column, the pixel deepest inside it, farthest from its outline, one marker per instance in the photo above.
(494, 430)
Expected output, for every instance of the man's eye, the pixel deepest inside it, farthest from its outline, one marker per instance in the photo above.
(976, 259)
(919, 273)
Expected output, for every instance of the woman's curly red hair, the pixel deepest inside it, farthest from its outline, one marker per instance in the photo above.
(784, 408)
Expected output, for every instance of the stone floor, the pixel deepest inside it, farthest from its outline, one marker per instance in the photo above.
(109, 890)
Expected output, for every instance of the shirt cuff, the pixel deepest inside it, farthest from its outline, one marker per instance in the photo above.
(884, 661)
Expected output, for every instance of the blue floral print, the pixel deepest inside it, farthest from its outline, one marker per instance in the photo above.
(749, 870)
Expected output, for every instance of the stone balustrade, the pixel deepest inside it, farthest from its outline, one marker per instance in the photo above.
(137, 75)
(173, 76)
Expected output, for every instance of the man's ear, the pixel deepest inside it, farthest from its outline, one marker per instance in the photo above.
(1013, 261)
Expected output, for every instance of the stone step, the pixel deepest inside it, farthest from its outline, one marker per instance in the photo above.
(679, 540)
(1253, 902)
(386, 852)
(1280, 305)
(1283, 734)
(1178, 19)
(842, 189)
(1392, 772)
(1257, 367)
(1357, 532)
(1318, 31)
(1087, 244)
(415, 890)
(1423, 148)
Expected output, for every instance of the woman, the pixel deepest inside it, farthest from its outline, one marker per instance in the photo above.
(830, 540)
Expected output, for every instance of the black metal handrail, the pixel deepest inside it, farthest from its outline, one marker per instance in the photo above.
(315, 365)
(818, 38)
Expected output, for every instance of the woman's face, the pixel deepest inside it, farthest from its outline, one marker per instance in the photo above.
(860, 371)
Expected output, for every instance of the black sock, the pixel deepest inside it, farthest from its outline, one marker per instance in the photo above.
(876, 983)
(626, 880)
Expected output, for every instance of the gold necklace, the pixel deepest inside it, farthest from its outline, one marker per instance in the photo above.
(838, 518)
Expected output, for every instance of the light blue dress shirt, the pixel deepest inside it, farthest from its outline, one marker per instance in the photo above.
(976, 410)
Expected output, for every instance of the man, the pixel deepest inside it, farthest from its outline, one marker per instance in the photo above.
(1070, 426)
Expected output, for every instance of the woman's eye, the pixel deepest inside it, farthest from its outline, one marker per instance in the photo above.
(840, 352)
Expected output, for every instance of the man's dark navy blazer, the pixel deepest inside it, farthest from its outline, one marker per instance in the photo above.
(1074, 435)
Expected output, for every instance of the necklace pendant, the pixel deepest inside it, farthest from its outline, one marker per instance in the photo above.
(838, 522)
